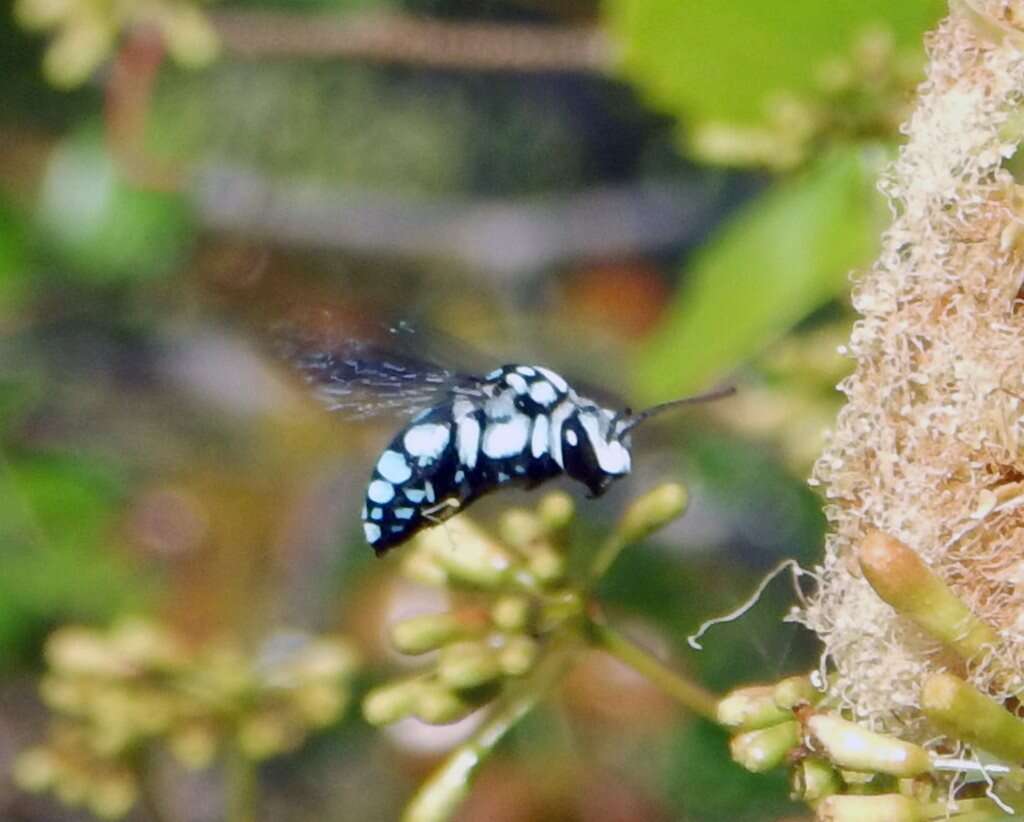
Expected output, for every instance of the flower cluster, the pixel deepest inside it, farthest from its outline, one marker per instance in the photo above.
(861, 94)
(515, 593)
(117, 693)
(86, 32)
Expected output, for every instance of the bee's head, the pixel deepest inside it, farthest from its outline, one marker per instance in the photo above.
(592, 451)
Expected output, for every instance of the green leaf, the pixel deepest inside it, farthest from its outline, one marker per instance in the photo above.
(705, 784)
(13, 280)
(57, 544)
(782, 256)
(103, 229)
(720, 60)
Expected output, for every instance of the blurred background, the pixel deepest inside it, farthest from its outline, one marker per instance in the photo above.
(652, 196)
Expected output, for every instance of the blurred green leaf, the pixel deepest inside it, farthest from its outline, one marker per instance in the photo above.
(704, 783)
(785, 254)
(12, 261)
(56, 543)
(720, 60)
(102, 228)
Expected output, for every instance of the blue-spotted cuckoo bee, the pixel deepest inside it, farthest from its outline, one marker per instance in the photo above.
(519, 424)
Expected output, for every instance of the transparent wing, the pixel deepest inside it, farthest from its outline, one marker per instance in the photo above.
(361, 378)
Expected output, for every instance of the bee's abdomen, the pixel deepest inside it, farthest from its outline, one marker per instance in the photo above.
(452, 454)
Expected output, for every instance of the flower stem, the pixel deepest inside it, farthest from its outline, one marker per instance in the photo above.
(241, 787)
(687, 693)
(438, 797)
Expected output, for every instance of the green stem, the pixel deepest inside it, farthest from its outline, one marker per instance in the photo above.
(685, 692)
(604, 558)
(439, 797)
(241, 787)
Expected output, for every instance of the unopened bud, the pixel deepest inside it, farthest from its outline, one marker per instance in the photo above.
(468, 665)
(794, 691)
(901, 578)
(751, 708)
(391, 702)
(652, 511)
(850, 746)
(468, 554)
(556, 511)
(428, 632)
(890, 807)
(512, 612)
(437, 705)
(518, 656)
(762, 750)
(965, 714)
(814, 779)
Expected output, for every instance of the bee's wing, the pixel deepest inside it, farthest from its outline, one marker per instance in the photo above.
(360, 378)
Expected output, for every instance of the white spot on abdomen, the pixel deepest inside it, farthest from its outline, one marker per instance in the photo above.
(467, 438)
(556, 380)
(426, 442)
(543, 393)
(380, 491)
(516, 383)
(506, 439)
(372, 532)
(393, 467)
(539, 438)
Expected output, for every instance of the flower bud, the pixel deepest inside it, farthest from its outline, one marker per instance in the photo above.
(468, 665)
(751, 708)
(814, 779)
(428, 632)
(391, 702)
(901, 578)
(467, 554)
(964, 713)
(437, 705)
(762, 750)
(556, 511)
(518, 656)
(850, 746)
(888, 807)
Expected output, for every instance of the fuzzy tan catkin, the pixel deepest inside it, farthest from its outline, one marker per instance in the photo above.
(928, 445)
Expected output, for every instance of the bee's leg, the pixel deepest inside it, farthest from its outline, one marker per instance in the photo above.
(443, 510)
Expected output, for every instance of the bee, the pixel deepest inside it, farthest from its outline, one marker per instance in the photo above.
(520, 424)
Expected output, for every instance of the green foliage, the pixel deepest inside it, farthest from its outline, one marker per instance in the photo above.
(56, 529)
(102, 228)
(704, 783)
(12, 261)
(785, 254)
(721, 60)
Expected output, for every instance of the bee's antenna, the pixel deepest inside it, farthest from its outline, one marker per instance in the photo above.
(647, 413)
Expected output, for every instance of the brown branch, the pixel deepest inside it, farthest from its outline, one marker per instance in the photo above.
(398, 38)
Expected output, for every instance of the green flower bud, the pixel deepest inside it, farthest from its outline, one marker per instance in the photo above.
(438, 705)
(762, 750)
(901, 578)
(467, 554)
(794, 691)
(194, 745)
(428, 632)
(751, 708)
(35, 770)
(850, 746)
(512, 612)
(964, 713)
(113, 795)
(264, 735)
(468, 665)
(888, 807)
(652, 511)
(814, 779)
(389, 703)
(556, 511)
(518, 656)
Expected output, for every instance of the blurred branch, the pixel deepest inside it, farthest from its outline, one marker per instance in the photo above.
(399, 38)
(507, 238)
